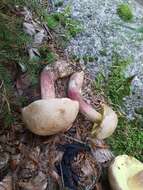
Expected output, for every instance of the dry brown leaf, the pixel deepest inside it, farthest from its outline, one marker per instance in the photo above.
(6, 183)
(29, 28)
(38, 183)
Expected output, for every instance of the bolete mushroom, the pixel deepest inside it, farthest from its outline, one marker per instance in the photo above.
(126, 173)
(107, 123)
(74, 92)
(50, 115)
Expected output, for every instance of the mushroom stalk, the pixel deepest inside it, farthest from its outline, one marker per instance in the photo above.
(108, 122)
(47, 83)
(74, 92)
(49, 75)
(50, 115)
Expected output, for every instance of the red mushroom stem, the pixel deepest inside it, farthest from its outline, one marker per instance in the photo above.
(74, 92)
(47, 83)
(50, 74)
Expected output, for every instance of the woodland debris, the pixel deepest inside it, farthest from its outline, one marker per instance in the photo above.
(6, 183)
(38, 183)
(4, 164)
(65, 169)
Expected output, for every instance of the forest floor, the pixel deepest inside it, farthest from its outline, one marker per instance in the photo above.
(32, 38)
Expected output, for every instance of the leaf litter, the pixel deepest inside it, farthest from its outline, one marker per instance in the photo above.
(73, 159)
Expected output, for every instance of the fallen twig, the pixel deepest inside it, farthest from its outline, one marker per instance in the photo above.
(74, 139)
(6, 100)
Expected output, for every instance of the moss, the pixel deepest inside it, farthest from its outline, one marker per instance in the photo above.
(128, 137)
(62, 21)
(124, 11)
(139, 110)
(48, 56)
(72, 26)
(103, 52)
(88, 58)
(5, 77)
(116, 86)
(52, 21)
(51, 57)
(23, 101)
(59, 3)
(75, 58)
(65, 27)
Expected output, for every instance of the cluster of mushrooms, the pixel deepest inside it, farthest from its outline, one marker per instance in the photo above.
(51, 115)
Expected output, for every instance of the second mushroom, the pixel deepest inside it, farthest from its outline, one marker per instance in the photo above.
(107, 123)
(50, 115)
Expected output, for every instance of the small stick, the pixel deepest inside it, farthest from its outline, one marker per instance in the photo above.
(1, 84)
(6, 99)
(92, 185)
(102, 146)
(74, 92)
(74, 139)
(48, 31)
(62, 176)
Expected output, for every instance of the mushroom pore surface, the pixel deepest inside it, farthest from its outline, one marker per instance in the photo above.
(125, 173)
(108, 124)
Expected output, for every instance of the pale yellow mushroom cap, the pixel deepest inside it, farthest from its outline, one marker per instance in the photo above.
(108, 124)
(126, 173)
(51, 116)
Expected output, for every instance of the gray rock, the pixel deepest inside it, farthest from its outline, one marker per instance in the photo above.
(104, 30)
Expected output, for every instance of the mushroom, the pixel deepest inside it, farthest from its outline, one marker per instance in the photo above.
(50, 115)
(107, 122)
(126, 173)
(74, 92)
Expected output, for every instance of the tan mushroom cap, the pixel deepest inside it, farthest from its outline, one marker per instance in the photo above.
(136, 182)
(108, 124)
(48, 117)
(126, 173)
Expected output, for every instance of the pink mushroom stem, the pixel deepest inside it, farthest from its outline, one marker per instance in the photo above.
(50, 74)
(47, 83)
(50, 115)
(74, 92)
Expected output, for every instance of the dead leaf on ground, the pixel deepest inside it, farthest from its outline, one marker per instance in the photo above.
(38, 183)
(22, 83)
(6, 183)
(29, 28)
(38, 38)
